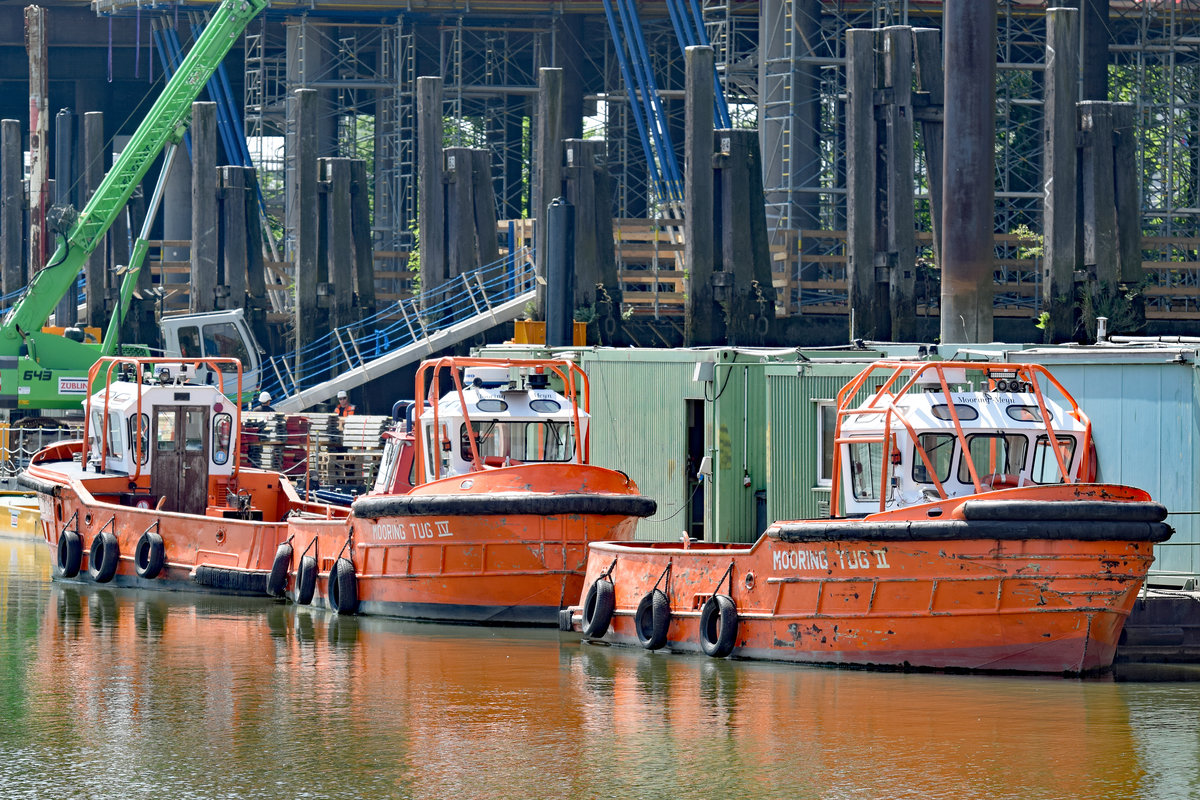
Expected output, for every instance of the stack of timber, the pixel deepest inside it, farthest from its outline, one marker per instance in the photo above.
(275, 442)
(353, 464)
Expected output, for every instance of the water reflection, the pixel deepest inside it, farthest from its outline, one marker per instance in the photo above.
(113, 693)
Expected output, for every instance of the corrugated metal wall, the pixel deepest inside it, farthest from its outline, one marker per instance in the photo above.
(639, 417)
(1146, 423)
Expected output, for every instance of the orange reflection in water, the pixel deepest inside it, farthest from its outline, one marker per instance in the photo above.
(200, 696)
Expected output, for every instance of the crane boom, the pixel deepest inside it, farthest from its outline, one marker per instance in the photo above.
(165, 122)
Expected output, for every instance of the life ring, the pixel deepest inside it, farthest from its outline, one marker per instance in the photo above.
(1000, 480)
(103, 557)
(306, 580)
(652, 619)
(718, 626)
(70, 553)
(280, 567)
(343, 587)
(148, 556)
(598, 608)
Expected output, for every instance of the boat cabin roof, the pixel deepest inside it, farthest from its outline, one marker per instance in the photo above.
(991, 410)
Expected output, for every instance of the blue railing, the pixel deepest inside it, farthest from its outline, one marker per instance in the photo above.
(398, 325)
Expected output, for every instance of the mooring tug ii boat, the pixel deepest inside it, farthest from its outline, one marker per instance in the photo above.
(154, 496)
(483, 507)
(971, 538)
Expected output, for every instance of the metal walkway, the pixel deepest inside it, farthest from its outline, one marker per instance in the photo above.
(404, 332)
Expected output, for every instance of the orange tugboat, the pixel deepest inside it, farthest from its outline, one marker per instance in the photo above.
(483, 506)
(153, 496)
(965, 534)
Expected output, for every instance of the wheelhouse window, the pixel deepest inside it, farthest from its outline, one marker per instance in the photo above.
(1045, 465)
(193, 430)
(222, 434)
(144, 450)
(164, 431)
(993, 454)
(963, 412)
(939, 449)
(520, 441)
(116, 436)
(866, 470)
(1027, 413)
(223, 340)
(826, 429)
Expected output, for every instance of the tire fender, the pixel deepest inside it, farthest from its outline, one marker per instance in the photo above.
(343, 587)
(103, 557)
(718, 626)
(280, 567)
(306, 580)
(149, 556)
(653, 619)
(70, 553)
(598, 608)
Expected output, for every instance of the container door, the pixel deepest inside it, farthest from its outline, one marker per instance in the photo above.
(179, 470)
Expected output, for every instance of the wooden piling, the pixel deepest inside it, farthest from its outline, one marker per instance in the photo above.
(901, 226)
(203, 290)
(339, 249)
(1100, 256)
(233, 196)
(1059, 210)
(304, 202)
(461, 253)
(968, 256)
(35, 44)
(580, 191)
(928, 109)
(863, 284)
(484, 193)
(746, 294)
(431, 209)
(700, 317)
(96, 267)
(547, 165)
(12, 205)
(364, 251)
(1128, 198)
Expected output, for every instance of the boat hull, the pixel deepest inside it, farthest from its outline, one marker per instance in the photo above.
(965, 598)
(483, 549)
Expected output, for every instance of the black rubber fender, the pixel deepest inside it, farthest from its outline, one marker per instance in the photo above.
(343, 587)
(306, 580)
(103, 557)
(280, 567)
(652, 619)
(70, 553)
(598, 608)
(718, 626)
(149, 555)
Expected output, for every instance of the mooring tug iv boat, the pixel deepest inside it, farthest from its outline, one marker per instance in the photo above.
(483, 506)
(965, 534)
(154, 495)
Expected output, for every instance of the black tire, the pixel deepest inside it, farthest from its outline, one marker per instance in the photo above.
(718, 626)
(148, 556)
(306, 580)
(103, 557)
(598, 608)
(280, 567)
(343, 587)
(70, 553)
(652, 619)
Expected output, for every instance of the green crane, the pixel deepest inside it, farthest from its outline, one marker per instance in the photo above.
(45, 370)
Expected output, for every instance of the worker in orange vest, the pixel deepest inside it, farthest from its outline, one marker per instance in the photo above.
(344, 408)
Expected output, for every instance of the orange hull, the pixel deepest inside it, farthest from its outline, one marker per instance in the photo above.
(910, 588)
(216, 552)
(483, 548)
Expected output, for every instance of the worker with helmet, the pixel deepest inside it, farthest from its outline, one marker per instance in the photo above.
(264, 402)
(344, 408)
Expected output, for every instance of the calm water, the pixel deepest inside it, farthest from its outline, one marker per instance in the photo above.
(119, 694)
